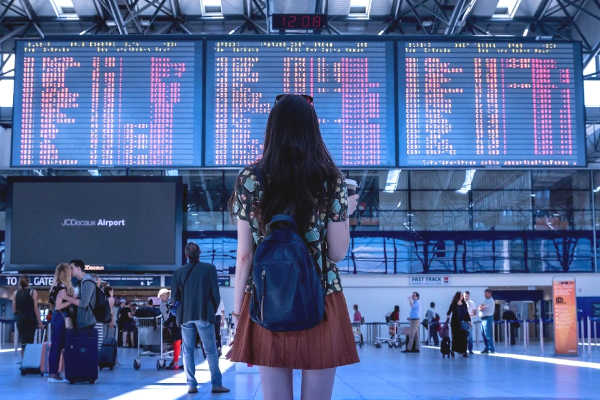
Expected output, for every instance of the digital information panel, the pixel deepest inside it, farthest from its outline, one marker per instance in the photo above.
(352, 83)
(106, 103)
(493, 104)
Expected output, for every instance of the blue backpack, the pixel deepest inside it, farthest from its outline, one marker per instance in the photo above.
(287, 294)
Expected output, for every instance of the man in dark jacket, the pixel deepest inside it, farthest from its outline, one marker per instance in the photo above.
(196, 288)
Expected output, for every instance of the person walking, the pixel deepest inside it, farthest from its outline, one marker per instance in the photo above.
(413, 334)
(486, 313)
(26, 311)
(63, 313)
(472, 313)
(296, 176)
(432, 319)
(174, 331)
(460, 323)
(357, 318)
(196, 289)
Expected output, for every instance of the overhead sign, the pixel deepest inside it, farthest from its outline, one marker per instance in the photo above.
(428, 280)
(222, 280)
(45, 281)
(34, 280)
(565, 316)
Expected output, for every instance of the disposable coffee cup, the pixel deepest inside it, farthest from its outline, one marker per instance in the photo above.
(352, 186)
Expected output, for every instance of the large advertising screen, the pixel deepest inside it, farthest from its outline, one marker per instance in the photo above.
(113, 225)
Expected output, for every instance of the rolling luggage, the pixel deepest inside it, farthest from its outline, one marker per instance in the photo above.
(34, 354)
(81, 356)
(108, 353)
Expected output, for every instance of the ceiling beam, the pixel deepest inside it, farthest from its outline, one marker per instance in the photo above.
(116, 14)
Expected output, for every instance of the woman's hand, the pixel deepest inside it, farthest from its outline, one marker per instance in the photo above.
(352, 203)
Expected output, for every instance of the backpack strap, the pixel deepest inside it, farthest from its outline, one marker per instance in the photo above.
(282, 218)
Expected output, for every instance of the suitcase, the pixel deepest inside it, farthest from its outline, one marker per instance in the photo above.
(33, 357)
(81, 356)
(108, 353)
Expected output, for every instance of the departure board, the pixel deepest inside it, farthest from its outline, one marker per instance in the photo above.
(107, 103)
(352, 83)
(493, 104)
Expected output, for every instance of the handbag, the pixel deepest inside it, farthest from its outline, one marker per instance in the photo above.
(465, 326)
(179, 305)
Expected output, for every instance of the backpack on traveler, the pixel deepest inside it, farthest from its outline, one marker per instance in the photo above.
(101, 307)
(287, 294)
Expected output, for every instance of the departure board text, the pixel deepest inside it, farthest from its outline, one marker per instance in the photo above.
(105, 103)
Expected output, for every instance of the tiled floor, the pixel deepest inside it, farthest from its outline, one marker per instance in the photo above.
(382, 374)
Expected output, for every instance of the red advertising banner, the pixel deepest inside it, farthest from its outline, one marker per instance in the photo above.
(565, 316)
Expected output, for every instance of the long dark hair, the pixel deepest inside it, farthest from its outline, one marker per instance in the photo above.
(456, 298)
(298, 173)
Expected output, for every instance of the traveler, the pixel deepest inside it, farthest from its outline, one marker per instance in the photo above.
(170, 323)
(358, 318)
(394, 316)
(63, 316)
(295, 176)
(432, 319)
(26, 311)
(110, 328)
(196, 288)
(472, 313)
(509, 315)
(87, 297)
(126, 325)
(413, 331)
(460, 322)
(486, 313)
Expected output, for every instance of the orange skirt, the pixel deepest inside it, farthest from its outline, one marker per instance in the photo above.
(328, 345)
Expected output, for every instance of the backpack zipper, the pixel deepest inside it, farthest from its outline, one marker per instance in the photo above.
(262, 299)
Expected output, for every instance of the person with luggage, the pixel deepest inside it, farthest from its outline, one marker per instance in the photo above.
(433, 324)
(81, 353)
(196, 290)
(460, 322)
(60, 298)
(27, 313)
(170, 323)
(296, 193)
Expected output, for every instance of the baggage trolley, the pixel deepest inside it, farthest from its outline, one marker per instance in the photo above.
(393, 340)
(155, 323)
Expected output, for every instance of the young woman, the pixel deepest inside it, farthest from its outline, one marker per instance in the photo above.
(460, 321)
(109, 329)
(60, 298)
(295, 175)
(27, 313)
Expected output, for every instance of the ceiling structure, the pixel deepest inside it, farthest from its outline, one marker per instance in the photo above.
(556, 19)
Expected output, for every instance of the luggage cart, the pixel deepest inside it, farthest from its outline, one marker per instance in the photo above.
(393, 339)
(358, 335)
(154, 323)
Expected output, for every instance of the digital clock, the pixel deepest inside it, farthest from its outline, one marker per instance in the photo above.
(299, 21)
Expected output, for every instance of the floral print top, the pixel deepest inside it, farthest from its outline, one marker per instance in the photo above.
(246, 200)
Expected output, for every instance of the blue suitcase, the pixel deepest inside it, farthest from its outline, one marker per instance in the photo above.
(81, 356)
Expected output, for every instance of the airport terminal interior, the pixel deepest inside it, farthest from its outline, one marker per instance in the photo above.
(466, 134)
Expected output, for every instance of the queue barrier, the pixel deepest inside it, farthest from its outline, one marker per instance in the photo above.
(5, 328)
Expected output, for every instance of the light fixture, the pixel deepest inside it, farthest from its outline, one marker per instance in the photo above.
(172, 172)
(506, 9)
(597, 189)
(526, 32)
(94, 172)
(212, 8)
(466, 186)
(359, 9)
(64, 9)
(391, 183)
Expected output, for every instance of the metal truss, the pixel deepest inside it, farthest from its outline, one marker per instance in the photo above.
(557, 19)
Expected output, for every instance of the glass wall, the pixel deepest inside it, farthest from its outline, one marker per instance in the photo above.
(429, 221)
(437, 221)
